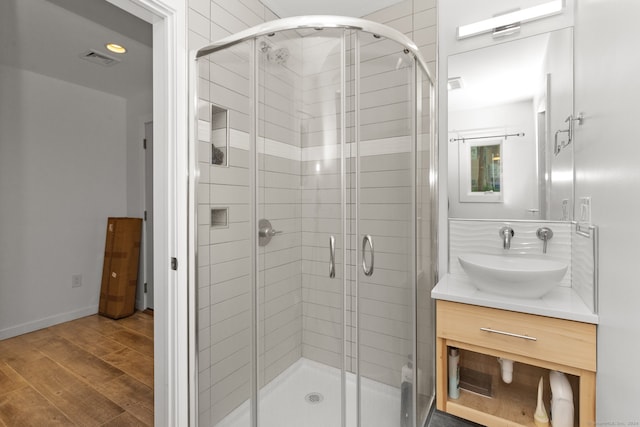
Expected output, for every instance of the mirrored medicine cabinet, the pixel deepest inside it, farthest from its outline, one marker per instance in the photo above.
(510, 118)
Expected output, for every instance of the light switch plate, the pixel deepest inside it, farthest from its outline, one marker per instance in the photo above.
(585, 210)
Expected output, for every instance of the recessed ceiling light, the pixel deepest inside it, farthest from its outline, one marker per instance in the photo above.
(116, 48)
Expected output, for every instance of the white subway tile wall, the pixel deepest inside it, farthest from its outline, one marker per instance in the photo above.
(583, 260)
(279, 263)
(224, 253)
(300, 308)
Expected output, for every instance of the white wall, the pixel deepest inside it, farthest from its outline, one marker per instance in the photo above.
(607, 153)
(62, 173)
(519, 175)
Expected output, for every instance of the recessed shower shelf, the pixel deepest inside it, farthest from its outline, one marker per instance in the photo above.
(219, 217)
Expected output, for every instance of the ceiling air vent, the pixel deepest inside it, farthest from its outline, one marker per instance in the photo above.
(99, 58)
(455, 83)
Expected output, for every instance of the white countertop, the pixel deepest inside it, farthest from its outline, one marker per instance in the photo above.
(562, 302)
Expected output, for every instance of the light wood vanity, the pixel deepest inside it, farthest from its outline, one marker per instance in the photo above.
(553, 344)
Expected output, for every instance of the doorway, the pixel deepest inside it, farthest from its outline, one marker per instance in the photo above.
(168, 18)
(73, 156)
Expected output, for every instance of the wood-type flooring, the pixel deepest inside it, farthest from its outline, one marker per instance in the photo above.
(92, 371)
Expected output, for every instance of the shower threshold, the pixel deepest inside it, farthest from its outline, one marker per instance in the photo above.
(308, 394)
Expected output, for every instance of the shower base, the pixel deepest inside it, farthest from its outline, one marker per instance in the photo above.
(307, 394)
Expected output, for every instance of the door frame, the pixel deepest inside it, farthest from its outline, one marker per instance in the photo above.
(147, 241)
(170, 102)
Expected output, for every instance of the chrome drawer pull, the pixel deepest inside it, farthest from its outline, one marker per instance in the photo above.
(494, 331)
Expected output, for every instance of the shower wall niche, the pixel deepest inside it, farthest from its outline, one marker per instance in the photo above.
(328, 140)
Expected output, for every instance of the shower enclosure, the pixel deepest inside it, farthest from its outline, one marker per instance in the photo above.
(313, 168)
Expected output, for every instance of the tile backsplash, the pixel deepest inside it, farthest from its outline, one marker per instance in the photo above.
(585, 267)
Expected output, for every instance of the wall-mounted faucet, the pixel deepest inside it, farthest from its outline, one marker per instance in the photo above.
(545, 234)
(506, 233)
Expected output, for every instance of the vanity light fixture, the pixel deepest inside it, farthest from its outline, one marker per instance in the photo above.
(510, 22)
(116, 48)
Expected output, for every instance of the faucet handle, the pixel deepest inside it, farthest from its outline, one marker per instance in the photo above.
(506, 233)
(545, 234)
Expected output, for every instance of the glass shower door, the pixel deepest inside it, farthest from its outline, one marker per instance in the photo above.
(300, 313)
(385, 229)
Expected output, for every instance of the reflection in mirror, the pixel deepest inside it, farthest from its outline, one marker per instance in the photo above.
(515, 96)
(485, 168)
(480, 169)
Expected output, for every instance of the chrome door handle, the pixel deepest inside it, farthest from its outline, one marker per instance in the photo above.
(368, 271)
(332, 257)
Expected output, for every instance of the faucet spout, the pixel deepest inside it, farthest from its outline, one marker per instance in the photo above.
(506, 233)
(545, 234)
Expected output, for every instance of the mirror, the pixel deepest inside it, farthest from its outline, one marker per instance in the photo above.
(510, 115)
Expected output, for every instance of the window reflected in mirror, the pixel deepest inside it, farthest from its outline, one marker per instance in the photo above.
(485, 169)
(480, 167)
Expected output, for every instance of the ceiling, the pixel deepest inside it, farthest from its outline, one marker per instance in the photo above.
(499, 74)
(354, 8)
(48, 37)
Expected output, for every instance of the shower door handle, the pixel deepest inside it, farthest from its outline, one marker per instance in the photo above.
(368, 270)
(332, 257)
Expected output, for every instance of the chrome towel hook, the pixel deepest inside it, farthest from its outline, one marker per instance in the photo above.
(557, 147)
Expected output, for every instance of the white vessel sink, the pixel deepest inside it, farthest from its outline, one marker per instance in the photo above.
(513, 275)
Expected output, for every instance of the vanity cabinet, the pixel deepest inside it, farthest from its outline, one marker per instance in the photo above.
(536, 343)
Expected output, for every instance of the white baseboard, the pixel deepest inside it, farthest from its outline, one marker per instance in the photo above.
(34, 325)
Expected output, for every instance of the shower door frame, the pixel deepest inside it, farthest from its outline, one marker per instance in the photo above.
(315, 22)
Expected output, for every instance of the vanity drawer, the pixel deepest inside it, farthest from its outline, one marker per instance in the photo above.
(556, 340)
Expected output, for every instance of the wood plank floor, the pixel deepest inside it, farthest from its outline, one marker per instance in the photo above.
(92, 371)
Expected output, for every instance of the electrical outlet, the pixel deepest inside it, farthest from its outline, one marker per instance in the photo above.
(76, 280)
